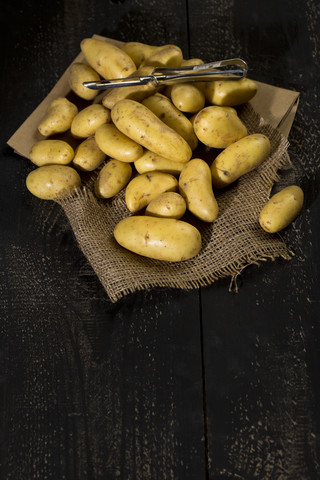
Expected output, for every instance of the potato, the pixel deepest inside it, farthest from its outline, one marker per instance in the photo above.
(88, 155)
(230, 92)
(187, 97)
(165, 56)
(151, 162)
(107, 59)
(52, 181)
(218, 127)
(239, 158)
(281, 209)
(190, 62)
(138, 51)
(112, 178)
(58, 117)
(164, 109)
(196, 188)
(116, 144)
(46, 152)
(144, 188)
(144, 127)
(167, 205)
(88, 120)
(79, 73)
(159, 238)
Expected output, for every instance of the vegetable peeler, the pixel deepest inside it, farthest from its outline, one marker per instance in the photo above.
(232, 69)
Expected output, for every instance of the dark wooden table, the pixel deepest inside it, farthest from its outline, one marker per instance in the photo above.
(164, 384)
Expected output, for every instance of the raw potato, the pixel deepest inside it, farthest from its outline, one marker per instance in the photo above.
(116, 144)
(88, 120)
(144, 188)
(187, 97)
(218, 127)
(281, 209)
(112, 178)
(144, 127)
(58, 117)
(79, 73)
(52, 181)
(159, 238)
(196, 188)
(107, 59)
(230, 92)
(47, 152)
(191, 62)
(151, 162)
(167, 205)
(239, 158)
(165, 56)
(138, 51)
(88, 155)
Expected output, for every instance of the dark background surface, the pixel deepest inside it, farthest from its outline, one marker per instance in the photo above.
(164, 384)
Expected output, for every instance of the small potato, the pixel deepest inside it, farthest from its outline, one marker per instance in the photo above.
(164, 239)
(151, 162)
(187, 97)
(144, 188)
(88, 120)
(281, 209)
(112, 178)
(230, 92)
(239, 158)
(167, 205)
(58, 117)
(47, 152)
(165, 56)
(88, 155)
(116, 144)
(79, 73)
(218, 127)
(138, 51)
(196, 188)
(52, 181)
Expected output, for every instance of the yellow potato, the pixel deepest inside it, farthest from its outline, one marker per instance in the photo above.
(107, 59)
(218, 127)
(58, 117)
(167, 205)
(164, 109)
(46, 152)
(151, 162)
(239, 158)
(196, 188)
(144, 127)
(165, 56)
(138, 51)
(52, 181)
(159, 238)
(89, 119)
(112, 178)
(191, 61)
(281, 209)
(187, 97)
(230, 92)
(79, 73)
(116, 144)
(144, 188)
(88, 155)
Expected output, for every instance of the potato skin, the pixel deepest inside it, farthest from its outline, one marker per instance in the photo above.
(187, 97)
(49, 151)
(144, 127)
(138, 51)
(116, 144)
(52, 181)
(79, 73)
(167, 205)
(112, 178)
(164, 56)
(151, 162)
(281, 209)
(58, 117)
(88, 156)
(89, 119)
(164, 239)
(230, 92)
(239, 158)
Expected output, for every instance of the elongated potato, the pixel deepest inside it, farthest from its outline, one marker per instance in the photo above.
(116, 144)
(88, 156)
(230, 92)
(88, 120)
(58, 117)
(151, 162)
(187, 97)
(139, 51)
(144, 188)
(167, 205)
(196, 188)
(218, 127)
(107, 59)
(112, 178)
(165, 56)
(144, 127)
(164, 109)
(159, 238)
(52, 181)
(239, 158)
(79, 73)
(281, 209)
(46, 152)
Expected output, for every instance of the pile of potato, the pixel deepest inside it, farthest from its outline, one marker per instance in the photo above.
(142, 139)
